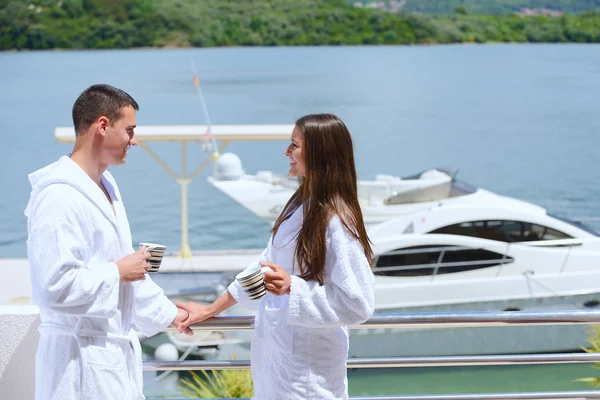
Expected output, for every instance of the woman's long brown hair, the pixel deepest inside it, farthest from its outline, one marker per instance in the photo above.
(329, 188)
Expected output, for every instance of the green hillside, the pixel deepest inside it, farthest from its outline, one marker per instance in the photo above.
(89, 24)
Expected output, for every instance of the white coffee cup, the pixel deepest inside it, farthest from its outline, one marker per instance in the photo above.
(252, 281)
(157, 252)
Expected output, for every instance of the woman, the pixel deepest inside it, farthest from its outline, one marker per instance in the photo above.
(321, 280)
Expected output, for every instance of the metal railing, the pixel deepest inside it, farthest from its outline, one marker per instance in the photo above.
(394, 362)
(462, 319)
(421, 320)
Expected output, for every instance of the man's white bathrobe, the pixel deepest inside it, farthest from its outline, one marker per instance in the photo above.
(300, 341)
(87, 347)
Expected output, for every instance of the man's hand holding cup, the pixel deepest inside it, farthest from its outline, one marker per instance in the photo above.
(134, 266)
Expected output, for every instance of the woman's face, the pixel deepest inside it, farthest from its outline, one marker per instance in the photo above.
(296, 154)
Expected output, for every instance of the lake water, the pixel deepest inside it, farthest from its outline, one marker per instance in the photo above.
(520, 120)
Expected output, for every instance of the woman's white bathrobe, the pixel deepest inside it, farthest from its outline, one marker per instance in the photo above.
(87, 347)
(300, 341)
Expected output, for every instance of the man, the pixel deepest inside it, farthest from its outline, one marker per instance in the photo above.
(89, 283)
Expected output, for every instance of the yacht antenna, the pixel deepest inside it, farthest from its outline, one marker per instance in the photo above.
(209, 144)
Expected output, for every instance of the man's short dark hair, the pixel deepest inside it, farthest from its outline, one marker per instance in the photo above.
(97, 101)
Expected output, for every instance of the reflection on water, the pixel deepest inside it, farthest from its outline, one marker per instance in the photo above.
(434, 380)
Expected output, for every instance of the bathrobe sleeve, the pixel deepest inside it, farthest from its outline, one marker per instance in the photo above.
(60, 279)
(236, 290)
(346, 297)
(152, 310)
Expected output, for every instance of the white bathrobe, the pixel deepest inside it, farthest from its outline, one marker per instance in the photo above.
(87, 347)
(300, 341)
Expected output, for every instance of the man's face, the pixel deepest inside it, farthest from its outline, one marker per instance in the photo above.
(119, 136)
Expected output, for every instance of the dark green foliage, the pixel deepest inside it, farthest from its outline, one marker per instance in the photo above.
(89, 24)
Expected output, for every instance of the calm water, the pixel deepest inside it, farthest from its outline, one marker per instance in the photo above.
(497, 379)
(414, 381)
(520, 120)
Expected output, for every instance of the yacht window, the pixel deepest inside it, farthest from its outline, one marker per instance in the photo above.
(429, 260)
(454, 188)
(503, 230)
(425, 256)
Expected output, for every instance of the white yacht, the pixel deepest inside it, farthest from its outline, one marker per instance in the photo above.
(442, 245)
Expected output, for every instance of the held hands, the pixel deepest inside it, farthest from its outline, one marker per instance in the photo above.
(277, 282)
(182, 315)
(195, 313)
(134, 266)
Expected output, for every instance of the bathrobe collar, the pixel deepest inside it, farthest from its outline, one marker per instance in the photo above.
(66, 171)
